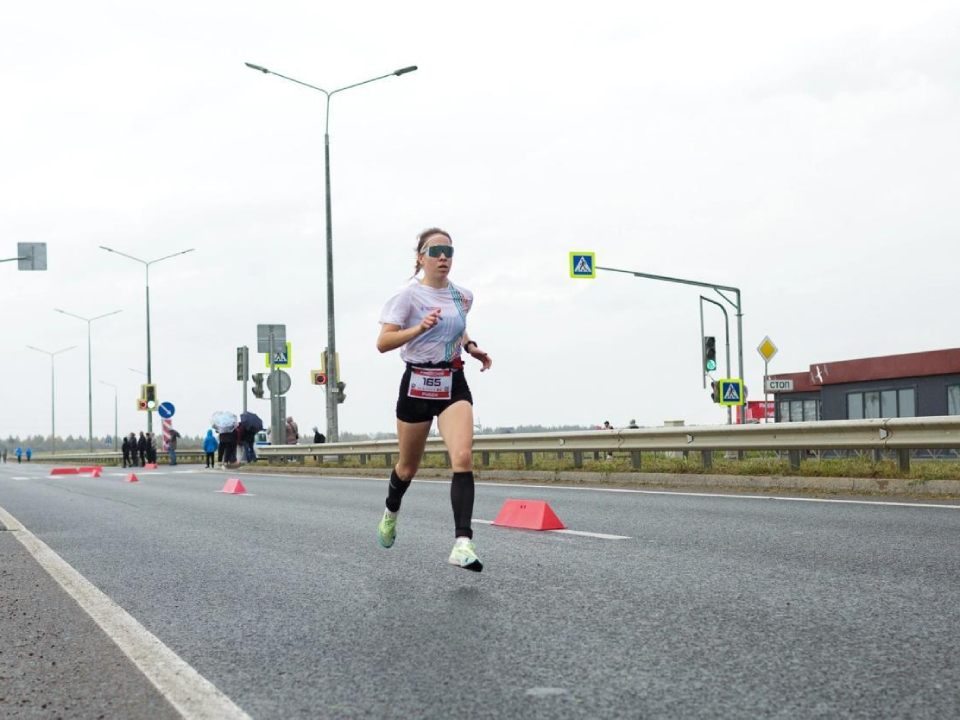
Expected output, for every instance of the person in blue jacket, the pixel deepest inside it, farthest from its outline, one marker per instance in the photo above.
(18, 452)
(29, 454)
(210, 447)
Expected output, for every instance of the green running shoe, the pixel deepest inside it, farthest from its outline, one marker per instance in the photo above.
(465, 555)
(387, 530)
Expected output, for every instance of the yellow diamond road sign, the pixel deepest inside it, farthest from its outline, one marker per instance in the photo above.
(767, 349)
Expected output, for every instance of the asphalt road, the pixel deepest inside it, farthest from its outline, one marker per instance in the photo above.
(715, 606)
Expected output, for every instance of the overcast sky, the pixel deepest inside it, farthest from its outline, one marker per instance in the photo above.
(808, 154)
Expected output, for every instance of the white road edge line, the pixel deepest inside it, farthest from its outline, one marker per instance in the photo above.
(191, 694)
(583, 533)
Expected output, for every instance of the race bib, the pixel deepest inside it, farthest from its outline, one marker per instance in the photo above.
(430, 384)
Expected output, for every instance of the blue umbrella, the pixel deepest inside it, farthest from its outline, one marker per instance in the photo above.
(251, 422)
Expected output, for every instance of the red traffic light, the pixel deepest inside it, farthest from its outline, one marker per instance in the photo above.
(319, 378)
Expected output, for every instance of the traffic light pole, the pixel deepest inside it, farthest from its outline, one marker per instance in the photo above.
(726, 324)
(737, 304)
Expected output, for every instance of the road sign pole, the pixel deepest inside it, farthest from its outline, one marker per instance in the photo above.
(766, 374)
(273, 400)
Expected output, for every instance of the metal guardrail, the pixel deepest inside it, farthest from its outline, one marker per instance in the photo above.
(900, 434)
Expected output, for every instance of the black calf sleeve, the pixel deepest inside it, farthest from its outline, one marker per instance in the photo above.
(395, 491)
(461, 497)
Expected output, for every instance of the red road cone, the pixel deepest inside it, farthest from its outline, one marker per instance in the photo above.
(132, 478)
(233, 486)
(96, 472)
(528, 515)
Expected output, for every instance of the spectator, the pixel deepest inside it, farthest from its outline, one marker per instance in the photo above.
(126, 450)
(227, 454)
(607, 425)
(247, 439)
(293, 432)
(318, 437)
(209, 447)
(633, 425)
(142, 448)
(29, 454)
(172, 446)
(18, 452)
(151, 449)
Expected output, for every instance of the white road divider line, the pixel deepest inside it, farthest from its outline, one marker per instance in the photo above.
(602, 536)
(191, 694)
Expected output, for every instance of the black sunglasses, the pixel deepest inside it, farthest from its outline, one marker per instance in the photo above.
(434, 251)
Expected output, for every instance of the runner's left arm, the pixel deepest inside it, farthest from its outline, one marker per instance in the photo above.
(477, 353)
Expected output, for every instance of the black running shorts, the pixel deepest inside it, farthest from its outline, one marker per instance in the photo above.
(418, 410)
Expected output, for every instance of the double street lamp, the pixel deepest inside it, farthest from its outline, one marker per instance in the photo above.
(53, 386)
(147, 264)
(89, 322)
(333, 381)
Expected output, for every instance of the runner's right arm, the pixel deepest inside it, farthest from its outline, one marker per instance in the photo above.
(391, 336)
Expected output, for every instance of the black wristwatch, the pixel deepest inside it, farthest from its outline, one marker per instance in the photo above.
(466, 347)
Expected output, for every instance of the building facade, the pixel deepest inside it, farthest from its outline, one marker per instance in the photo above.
(912, 385)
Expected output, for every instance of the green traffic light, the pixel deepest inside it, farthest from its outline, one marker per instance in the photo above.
(711, 364)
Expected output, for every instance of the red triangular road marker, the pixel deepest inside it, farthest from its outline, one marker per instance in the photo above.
(233, 486)
(132, 478)
(528, 515)
(96, 472)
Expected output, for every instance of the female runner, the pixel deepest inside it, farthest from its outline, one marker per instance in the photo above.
(428, 321)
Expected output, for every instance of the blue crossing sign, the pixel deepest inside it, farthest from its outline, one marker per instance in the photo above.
(583, 265)
(166, 410)
(731, 392)
(282, 357)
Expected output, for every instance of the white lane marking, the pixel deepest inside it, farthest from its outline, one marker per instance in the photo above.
(191, 694)
(630, 490)
(602, 536)
(19, 478)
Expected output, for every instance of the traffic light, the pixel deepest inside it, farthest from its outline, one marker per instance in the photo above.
(257, 385)
(243, 362)
(141, 404)
(714, 391)
(150, 396)
(709, 354)
(341, 387)
(318, 377)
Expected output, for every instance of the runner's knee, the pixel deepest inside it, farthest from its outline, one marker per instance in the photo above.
(406, 470)
(461, 460)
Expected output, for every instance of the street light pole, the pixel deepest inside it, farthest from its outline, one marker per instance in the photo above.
(147, 264)
(333, 381)
(116, 437)
(53, 386)
(89, 322)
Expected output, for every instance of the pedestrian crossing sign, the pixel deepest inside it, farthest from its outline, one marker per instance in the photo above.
(731, 392)
(282, 358)
(583, 265)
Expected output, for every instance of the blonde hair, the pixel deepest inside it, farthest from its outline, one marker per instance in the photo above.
(422, 240)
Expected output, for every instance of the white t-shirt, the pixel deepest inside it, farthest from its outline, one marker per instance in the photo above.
(442, 342)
